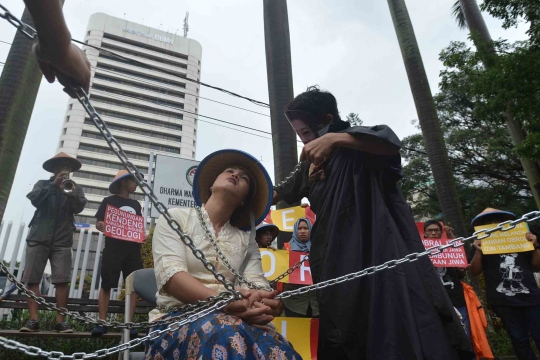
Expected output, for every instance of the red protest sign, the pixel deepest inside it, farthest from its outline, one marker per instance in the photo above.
(301, 275)
(123, 225)
(450, 257)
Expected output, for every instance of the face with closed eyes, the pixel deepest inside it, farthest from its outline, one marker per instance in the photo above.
(235, 182)
(303, 131)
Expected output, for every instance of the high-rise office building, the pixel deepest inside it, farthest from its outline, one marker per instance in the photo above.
(146, 110)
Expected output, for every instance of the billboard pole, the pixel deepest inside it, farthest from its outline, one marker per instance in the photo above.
(149, 181)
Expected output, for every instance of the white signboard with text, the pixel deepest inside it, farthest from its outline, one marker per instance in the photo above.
(173, 182)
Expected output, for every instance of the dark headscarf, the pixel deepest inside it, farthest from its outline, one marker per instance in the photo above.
(296, 243)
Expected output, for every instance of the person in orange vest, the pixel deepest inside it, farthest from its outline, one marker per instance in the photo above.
(511, 288)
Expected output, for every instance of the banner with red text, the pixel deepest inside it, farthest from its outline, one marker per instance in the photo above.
(284, 219)
(303, 333)
(276, 262)
(451, 257)
(123, 225)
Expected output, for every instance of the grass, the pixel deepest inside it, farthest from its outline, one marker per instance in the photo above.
(68, 346)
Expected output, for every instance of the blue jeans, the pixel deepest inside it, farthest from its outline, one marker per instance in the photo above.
(521, 322)
(465, 319)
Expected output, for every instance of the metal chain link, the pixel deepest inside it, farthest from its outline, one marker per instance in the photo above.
(57, 355)
(288, 178)
(434, 250)
(289, 271)
(222, 256)
(26, 29)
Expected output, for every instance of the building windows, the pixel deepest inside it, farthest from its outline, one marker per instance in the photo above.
(137, 143)
(65, 131)
(70, 106)
(67, 119)
(62, 144)
(128, 105)
(144, 86)
(92, 176)
(138, 119)
(138, 54)
(138, 131)
(108, 151)
(115, 70)
(150, 99)
(105, 192)
(85, 219)
(144, 46)
(105, 164)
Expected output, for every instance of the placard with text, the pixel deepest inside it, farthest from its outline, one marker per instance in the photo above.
(277, 262)
(450, 257)
(503, 242)
(123, 225)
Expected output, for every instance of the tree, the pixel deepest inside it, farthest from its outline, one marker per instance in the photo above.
(427, 115)
(19, 85)
(512, 11)
(280, 90)
(354, 119)
(487, 171)
(491, 61)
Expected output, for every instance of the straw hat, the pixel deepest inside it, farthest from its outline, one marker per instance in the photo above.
(59, 159)
(215, 163)
(265, 226)
(491, 211)
(114, 188)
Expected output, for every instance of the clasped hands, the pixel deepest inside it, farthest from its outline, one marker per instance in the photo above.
(258, 307)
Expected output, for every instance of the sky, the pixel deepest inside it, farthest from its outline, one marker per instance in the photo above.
(347, 47)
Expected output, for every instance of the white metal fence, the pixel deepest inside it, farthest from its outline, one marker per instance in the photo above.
(80, 264)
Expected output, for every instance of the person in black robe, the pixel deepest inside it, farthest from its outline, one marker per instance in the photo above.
(350, 175)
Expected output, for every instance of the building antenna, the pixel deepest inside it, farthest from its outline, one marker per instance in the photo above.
(186, 25)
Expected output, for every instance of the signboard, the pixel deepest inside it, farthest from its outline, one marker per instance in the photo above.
(303, 333)
(277, 262)
(173, 182)
(81, 225)
(503, 242)
(285, 219)
(123, 225)
(451, 257)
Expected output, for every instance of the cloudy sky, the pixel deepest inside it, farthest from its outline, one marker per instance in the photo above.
(348, 47)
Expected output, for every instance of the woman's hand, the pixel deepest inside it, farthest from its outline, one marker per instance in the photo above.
(268, 300)
(249, 309)
(532, 238)
(100, 226)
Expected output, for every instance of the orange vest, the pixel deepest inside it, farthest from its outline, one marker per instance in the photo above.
(477, 319)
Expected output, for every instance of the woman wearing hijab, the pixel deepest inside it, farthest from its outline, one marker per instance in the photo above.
(233, 191)
(302, 305)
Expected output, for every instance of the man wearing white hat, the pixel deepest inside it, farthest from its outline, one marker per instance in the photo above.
(51, 234)
(118, 255)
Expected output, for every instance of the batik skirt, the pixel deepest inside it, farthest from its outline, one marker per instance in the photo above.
(218, 336)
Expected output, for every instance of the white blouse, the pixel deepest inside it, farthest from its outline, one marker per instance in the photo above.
(172, 256)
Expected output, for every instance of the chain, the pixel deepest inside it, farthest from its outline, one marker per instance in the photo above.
(57, 355)
(288, 178)
(289, 271)
(26, 29)
(223, 258)
(434, 250)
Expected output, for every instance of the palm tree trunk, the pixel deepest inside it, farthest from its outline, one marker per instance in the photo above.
(476, 24)
(19, 85)
(280, 90)
(427, 115)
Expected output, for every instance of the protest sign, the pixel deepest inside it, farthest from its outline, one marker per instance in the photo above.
(502, 242)
(450, 257)
(303, 333)
(276, 262)
(284, 219)
(123, 225)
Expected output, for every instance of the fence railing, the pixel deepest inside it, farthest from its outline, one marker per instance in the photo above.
(81, 263)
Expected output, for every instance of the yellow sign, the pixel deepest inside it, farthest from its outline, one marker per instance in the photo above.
(502, 242)
(275, 263)
(284, 219)
(298, 332)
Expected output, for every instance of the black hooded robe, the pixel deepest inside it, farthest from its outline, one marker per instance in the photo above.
(363, 220)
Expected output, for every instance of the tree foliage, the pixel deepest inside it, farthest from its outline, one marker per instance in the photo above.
(354, 119)
(486, 168)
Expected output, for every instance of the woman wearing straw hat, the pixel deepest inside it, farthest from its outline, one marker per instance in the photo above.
(228, 185)
(118, 255)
